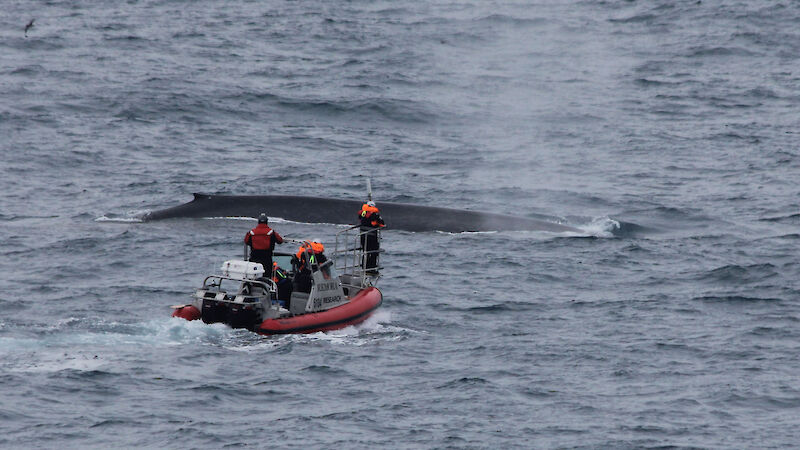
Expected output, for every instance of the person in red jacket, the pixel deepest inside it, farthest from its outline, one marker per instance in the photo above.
(262, 240)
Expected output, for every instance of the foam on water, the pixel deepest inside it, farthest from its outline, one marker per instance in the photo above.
(603, 227)
(376, 328)
(467, 233)
(376, 324)
(50, 361)
(107, 219)
(79, 332)
(62, 347)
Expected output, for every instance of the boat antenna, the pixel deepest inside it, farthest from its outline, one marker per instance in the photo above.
(369, 189)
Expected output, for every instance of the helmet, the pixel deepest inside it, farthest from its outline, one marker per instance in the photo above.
(371, 203)
(262, 218)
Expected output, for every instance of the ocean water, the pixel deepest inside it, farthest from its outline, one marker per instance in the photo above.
(666, 130)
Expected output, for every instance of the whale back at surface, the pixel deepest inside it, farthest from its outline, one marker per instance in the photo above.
(401, 216)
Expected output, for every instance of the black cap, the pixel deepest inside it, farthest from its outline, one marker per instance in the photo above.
(262, 218)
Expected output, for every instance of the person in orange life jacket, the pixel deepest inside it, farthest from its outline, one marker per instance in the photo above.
(283, 283)
(371, 221)
(262, 240)
(308, 257)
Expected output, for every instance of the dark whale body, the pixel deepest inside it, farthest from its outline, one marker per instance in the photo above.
(399, 216)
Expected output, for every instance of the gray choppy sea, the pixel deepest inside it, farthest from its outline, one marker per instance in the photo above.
(677, 120)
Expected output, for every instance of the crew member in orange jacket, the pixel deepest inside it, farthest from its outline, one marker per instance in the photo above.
(371, 221)
(308, 257)
(309, 250)
(262, 240)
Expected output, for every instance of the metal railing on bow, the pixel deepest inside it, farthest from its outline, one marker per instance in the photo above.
(358, 266)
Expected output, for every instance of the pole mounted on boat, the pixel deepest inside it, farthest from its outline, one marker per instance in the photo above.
(369, 189)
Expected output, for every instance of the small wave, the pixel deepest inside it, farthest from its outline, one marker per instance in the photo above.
(323, 369)
(770, 332)
(788, 217)
(393, 11)
(396, 109)
(733, 273)
(792, 236)
(752, 139)
(698, 52)
(14, 218)
(761, 401)
(537, 393)
(735, 299)
(651, 82)
(27, 70)
(663, 218)
(762, 92)
(127, 38)
(634, 19)
(116, 26)
(511, 20)
(188, 35)
(464, 382)
(500, 307)
(490, 308)
(49, 43)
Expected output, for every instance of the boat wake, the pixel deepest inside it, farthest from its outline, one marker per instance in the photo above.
(379, 322)
(377, 327)
(88, 344)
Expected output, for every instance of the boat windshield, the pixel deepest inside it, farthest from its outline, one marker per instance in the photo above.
(284, 261)
(328, 270)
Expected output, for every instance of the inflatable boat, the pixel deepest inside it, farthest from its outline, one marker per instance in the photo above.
(298, 297)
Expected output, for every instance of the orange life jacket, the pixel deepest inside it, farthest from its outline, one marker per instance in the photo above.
(313, 248)
(367, 212)
(310, 248)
